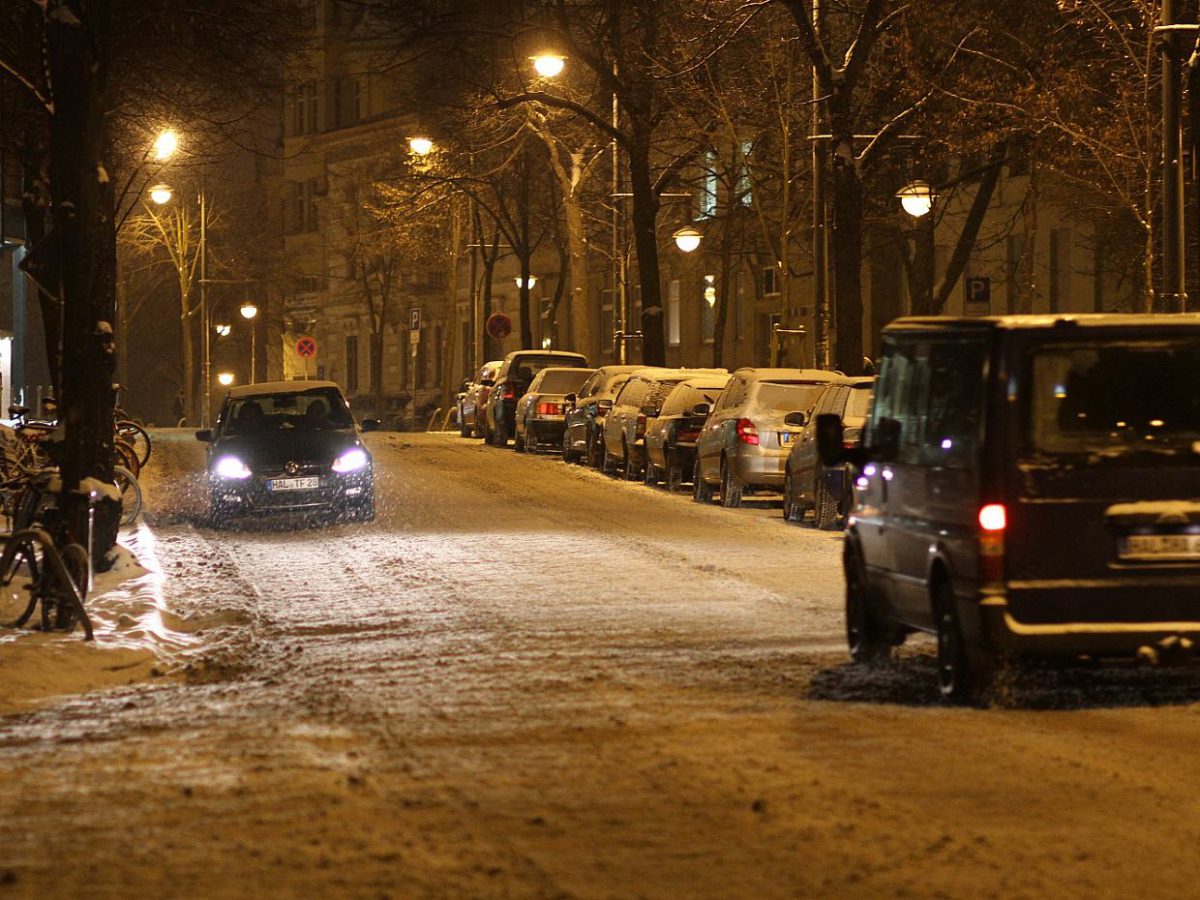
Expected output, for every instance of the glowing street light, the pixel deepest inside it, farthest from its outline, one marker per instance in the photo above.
(917, 198)
(249, 310)
(520, 282)
(222, 329)
(548, 65)
(687, 238)
(162, 193)
(225, 379)
(422, 146)
(165, 145)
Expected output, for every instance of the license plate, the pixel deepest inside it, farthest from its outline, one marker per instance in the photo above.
(294, 484)
(1162, 546)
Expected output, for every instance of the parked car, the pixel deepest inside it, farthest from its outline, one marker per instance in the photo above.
(474, 399)
(288, 446)
(539, 415)
(512, 381)
(671, 438)
(745, 442)
(808, 484)
(633, 409)
(586, 410)
(1028, 488)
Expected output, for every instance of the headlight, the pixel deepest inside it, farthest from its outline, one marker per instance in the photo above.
(231, 467)
(350, 461)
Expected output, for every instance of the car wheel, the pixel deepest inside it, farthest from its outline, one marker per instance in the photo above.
(595, 454)
(568, 454)
(866, 636)
(518, 438)
(791, 509)
(825, 512)
(730, 490)
(464, 430)
(962, 677)
(649, 472)
(674, 474)
(701, 492)
(609, 464)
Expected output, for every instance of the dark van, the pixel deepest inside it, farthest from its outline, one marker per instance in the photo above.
(1027, 486)
(512, 381)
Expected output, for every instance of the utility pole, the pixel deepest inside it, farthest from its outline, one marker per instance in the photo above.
(821, 317)
(1174, 291)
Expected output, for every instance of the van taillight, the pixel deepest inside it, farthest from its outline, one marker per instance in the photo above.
(747, 431)
(993, 520)
(508, 391)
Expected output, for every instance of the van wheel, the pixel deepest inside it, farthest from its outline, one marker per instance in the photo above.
(866, 636)
(730, 490)
(963, 676)
(825, 507)
(701, 492)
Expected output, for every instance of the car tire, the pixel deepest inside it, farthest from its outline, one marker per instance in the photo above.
(701, 492)
(791, 509)
(464, 430)
(518, 439)
(609, 464)
(825, 508)
(962, 676)
(674, 475)
(730, 491)
(866, 636)
(650, 473)
(595, 454)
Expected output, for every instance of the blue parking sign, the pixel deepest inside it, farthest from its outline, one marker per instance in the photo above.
(977, 296)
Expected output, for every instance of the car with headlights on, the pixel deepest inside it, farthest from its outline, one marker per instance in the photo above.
(288, 447)
(745, 441)
(540, 413)
(809, 484)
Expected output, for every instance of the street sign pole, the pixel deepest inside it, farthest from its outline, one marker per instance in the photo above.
(414, 340)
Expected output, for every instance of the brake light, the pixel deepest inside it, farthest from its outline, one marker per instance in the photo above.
(687, 434)
(747, 432)
(993, 520)
(641, 425)
(549, 409)
(508, 391)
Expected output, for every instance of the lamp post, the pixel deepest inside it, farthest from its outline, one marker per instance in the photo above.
(249, 312)
(917, 198)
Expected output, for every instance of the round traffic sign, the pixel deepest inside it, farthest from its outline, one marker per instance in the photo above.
(498, 325)
(306, 347)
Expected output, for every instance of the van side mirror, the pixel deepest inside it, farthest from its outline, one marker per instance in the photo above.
(371, 424)
(204, 434)
(796, 419)
(885, 442)
(701, 409)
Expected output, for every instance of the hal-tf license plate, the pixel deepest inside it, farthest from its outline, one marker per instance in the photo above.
(1162, 546)
(294, 484)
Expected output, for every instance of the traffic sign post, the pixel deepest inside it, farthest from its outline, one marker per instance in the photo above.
(306, 349)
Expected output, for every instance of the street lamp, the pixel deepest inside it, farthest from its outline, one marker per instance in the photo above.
(917, 198)
(222, 329)
(520, 282)
(161, 194)
(249, 311)
(422, 146)
(225, 379)
(548, 64)
(687, 238)
(165, 145)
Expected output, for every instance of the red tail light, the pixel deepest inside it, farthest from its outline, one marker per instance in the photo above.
(549, 409)
(993, 520)
(687, 434)
(747, 431)
(641, 425)
(508, 391)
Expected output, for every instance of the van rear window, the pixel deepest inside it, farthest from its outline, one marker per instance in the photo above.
(1115, 399)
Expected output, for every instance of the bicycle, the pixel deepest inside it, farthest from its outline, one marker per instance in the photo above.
(57, 581)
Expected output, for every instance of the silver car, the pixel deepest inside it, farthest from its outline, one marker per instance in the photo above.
(539, 416)
(586, 411)
(474, 399)
(745, 442)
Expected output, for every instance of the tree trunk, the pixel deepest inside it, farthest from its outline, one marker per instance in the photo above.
(525, 311)
(581, 313)
(1026, 288)
(82, 194)
(847, 202)
(190, 407)
(970, 230)
(645, 239)
(721, 310)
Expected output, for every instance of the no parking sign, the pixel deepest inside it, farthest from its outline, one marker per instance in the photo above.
(306, 347)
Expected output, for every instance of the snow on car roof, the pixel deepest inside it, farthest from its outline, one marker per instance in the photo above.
(264, 388)
(754, 374)
(1049, 320)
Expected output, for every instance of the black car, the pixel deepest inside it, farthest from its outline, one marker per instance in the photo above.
(513, 378)
(288, 446)
(1027, 488)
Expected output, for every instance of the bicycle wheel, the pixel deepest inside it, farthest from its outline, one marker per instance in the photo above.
(136, 436)
(127, 456)
(69, 595)
(131, 494)
(19, 571)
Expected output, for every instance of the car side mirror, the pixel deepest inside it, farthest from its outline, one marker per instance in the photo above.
(649, 410)
(204, 434)
(701, 409)
(796, 419)
(371, 424)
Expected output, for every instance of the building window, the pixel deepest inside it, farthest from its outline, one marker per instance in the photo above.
(673, 313)
(304, 109)
(304, 206)
(708, 305)
(708, 190)
(352, 364)
(770, 280)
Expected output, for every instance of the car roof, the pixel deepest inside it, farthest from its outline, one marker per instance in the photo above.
(1041, 321)
(820, 375)
(713, 380)
(267, 388)
(564, 369)
(565, 354)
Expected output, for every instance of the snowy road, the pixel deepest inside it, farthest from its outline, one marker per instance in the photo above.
(529, 680)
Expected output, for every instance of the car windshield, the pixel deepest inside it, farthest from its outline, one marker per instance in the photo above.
(786, 396)
(563, 382)
(314, 410)
(1116, 399)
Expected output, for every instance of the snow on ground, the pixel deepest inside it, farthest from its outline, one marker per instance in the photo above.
(530, 680)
